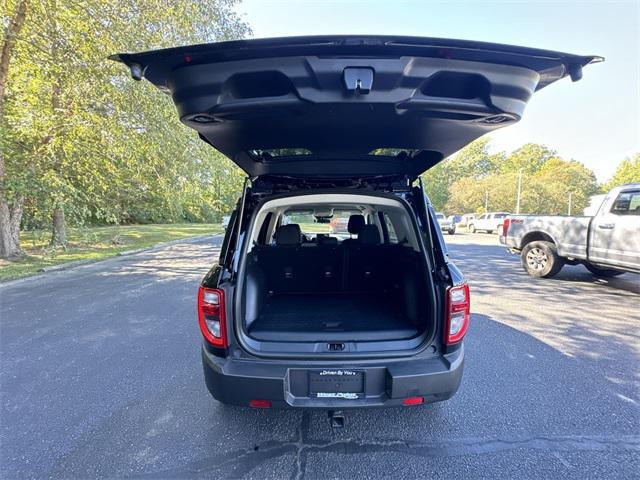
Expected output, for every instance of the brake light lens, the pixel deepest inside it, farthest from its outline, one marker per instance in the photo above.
(260, 404)
(505, 226)
(458, 308)
(413, 401)
(211, 316)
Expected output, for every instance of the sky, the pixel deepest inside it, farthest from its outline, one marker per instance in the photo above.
(595, 120)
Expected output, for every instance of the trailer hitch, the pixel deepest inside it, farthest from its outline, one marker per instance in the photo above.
(336, 418)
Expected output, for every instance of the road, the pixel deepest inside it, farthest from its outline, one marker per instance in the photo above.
(100, 377)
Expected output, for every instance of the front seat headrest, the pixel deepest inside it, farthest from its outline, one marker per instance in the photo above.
(356, 222)
(369, 235)
(289, 235)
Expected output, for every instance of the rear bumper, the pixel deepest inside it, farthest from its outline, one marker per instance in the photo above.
(285, 384)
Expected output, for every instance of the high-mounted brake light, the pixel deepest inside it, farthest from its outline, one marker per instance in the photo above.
(211, 316)
(505, 227)
(458, 307)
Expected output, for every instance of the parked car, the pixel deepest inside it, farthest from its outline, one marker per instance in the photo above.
(467, 219)
(607, 244)
(455, 219)
(446, 225)
(225, 221)
(375, 320)
(488, 222)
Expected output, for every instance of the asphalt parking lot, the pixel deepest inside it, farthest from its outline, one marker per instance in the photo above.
(100, 376)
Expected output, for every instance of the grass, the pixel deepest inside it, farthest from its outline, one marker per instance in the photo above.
(94, 243)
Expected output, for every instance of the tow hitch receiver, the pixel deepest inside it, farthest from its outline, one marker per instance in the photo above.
(336, 418)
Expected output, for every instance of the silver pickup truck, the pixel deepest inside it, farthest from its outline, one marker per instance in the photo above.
(607, 244)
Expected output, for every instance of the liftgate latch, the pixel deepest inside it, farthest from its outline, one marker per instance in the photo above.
(358, 79)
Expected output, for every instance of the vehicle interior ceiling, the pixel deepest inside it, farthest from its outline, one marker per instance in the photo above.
(324, 267)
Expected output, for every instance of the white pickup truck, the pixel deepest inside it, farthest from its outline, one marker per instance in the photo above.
(607, 243)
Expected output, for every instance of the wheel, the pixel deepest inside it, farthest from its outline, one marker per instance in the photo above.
(489, 231)
(602, 272)
(451, 231)
(472, 228)
(540, 259)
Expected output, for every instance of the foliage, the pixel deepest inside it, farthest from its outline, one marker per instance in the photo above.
(82, 137)
(473, 161)
(627, 172)
(545, 189)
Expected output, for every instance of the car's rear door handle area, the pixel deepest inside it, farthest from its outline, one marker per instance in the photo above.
(607, 226)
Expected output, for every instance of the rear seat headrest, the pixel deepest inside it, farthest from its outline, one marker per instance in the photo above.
(369, 235)
(356, 222)
(327, 240)
(289, 235)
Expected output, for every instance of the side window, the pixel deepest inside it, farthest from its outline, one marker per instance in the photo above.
(482, 217)
(627, 203)
(393, 237)
(262, 236)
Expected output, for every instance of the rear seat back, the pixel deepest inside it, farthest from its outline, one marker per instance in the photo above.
(291, 267)
(364, 263)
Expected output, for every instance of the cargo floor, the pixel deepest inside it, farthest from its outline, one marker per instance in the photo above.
(332, 317)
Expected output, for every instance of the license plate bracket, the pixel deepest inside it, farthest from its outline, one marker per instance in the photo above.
(337, 383)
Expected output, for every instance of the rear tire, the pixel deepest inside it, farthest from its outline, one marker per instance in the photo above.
(489, 232)
(451, 231)
(540, 259)
(472, 228)
(602, 272)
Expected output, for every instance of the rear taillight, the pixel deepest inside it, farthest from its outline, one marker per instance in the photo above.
(211, 316)
(457, 320)
(505, 227)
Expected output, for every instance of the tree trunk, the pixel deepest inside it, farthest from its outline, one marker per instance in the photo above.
(59, 232)
(10, 218)
(10, 215)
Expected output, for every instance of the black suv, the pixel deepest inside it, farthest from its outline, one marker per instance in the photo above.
(339, 129)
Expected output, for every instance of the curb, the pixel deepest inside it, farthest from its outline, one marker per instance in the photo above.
(64, 266)
(79, 263)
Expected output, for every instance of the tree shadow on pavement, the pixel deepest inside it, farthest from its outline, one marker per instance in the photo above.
(519, 397)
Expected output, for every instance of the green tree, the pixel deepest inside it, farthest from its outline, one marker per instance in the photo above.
(82, 142)
(627, 172)
(560, 180)
(546, 191)
(473, 161)
(11, 198)
(530, 157)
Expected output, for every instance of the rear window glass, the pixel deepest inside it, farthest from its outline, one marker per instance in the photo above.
(280, 152)
(393, 152)
(311, 224)
(393, 237)
(627, 203)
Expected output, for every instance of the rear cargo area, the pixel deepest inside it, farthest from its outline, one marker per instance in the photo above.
(341, 293)
(332, 317)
